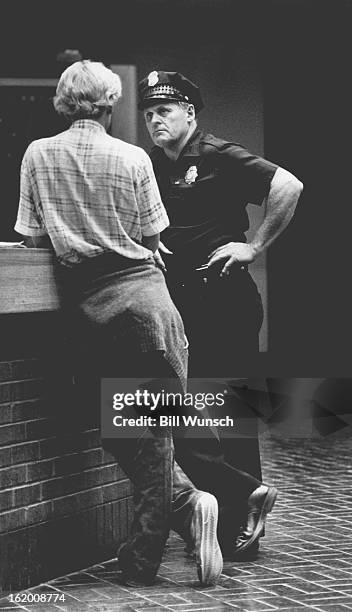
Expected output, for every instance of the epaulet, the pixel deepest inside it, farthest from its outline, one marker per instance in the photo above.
(213, 142)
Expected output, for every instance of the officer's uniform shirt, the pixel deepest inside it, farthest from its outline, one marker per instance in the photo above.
(205, 192)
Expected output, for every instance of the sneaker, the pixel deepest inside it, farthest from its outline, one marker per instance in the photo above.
(203, 530)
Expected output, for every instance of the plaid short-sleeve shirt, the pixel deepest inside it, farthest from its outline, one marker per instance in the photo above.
(90, 193)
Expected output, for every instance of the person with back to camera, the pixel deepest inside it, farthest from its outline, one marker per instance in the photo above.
(96, 200)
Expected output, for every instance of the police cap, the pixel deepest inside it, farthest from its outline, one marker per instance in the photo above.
(172, 86)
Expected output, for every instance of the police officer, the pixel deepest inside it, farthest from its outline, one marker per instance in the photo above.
(206, 183)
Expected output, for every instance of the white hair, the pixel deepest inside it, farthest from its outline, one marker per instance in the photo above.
(86, 89)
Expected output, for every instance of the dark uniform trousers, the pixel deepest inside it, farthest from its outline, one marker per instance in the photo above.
(222, 319)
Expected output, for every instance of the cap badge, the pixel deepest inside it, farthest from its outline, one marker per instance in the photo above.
(191, 175)
(153, 78)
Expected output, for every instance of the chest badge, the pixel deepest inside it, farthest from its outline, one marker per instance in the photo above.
(191, 175)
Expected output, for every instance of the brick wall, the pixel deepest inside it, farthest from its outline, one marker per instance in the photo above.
(64, 503)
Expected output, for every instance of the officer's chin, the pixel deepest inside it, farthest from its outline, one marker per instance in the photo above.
(160, 138)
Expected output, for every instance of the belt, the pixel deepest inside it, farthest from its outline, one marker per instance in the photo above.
(107, 262)
(94, 267)
(203, 274)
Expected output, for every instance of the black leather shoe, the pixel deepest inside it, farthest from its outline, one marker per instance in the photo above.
(260, 503)
(250, 554)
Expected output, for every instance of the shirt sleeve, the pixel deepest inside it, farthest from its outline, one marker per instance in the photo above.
(251, 173)
(152, 212)
(28, 221)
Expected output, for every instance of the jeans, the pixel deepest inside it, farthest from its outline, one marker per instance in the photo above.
(163, 495)
(126, 326)
(163, 498)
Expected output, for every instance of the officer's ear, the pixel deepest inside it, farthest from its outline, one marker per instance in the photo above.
(191, 112)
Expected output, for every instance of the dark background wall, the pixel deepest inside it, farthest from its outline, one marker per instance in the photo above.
(295, 57)
(307, 109)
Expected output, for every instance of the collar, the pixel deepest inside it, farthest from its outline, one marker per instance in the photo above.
(87, 124)
(191, 148)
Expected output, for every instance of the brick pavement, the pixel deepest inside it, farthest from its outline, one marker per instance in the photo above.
(305, 560)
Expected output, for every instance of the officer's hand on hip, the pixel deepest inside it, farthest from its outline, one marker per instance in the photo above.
(232, 254)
